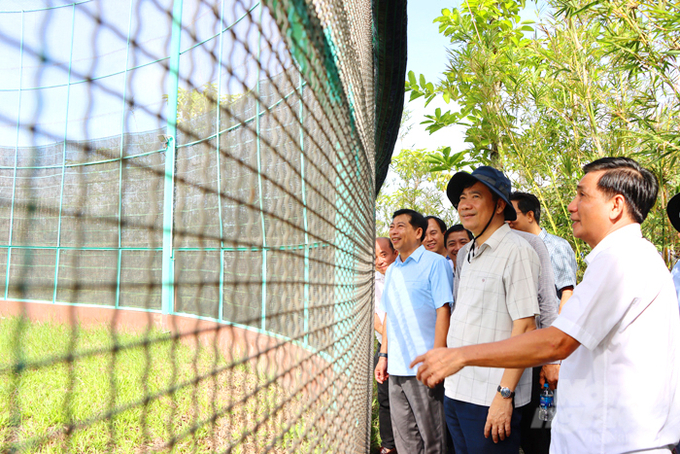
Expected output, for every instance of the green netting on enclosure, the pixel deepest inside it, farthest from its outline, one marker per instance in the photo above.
(187, 221)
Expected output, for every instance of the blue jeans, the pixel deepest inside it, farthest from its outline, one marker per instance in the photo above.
(466, 425)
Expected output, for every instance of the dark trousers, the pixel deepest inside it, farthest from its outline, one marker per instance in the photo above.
(466, 425)
(384, 419)
(535, 433)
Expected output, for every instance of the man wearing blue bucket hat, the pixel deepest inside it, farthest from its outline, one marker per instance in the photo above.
(495, 298)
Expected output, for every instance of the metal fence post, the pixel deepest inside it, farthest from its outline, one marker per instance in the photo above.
(168, 272)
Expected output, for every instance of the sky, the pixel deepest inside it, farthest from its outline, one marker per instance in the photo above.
(427, 56)
(104, 52)
(58, 112)
(92, 110)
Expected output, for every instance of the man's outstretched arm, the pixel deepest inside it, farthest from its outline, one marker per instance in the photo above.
(527, 350)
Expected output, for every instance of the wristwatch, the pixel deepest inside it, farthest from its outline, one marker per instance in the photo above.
(506, 393)
(382, 355)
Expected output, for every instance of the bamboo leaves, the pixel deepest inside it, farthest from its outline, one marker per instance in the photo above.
(540, 100)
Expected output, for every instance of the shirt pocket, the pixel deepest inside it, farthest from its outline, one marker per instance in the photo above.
(482, 290)
(419, 292)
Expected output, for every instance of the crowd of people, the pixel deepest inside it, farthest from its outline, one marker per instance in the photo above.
(473, 322)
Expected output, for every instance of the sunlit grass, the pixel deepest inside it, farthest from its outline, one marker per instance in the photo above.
(132, 393)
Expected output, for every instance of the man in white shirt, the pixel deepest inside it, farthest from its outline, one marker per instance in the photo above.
(385, 255)
(619, 335)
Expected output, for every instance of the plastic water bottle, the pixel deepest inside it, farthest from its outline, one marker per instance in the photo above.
(546, 407)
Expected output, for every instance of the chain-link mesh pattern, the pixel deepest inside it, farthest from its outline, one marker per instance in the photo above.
(186, 225)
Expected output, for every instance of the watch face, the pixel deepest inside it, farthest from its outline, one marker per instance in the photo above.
(505, 392)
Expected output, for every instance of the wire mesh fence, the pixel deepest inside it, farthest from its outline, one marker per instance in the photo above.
(186, 225)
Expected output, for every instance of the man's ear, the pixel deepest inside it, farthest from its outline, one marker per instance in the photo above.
(500, 206)
(618, 207)
(530, 215)
(420, 235)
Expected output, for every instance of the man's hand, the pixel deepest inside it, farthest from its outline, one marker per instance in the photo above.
(498, 419)
(551, 374)
(381, 370)
(437, 364)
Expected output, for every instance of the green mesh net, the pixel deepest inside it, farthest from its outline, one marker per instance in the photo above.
(187, 221)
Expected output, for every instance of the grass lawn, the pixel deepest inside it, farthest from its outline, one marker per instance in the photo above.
(375, 426)
(136, 393)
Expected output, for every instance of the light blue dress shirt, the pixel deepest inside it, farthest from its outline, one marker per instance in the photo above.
(414, 290)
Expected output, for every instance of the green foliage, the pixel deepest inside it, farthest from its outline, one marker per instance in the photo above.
(445, 161)
(540, 100)
(376, 441)
(196, 103)
(416, 187)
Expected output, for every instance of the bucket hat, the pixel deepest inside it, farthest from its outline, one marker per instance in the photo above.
(673, 210)
(491, 178)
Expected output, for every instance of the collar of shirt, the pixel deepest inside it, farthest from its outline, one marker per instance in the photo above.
(543, 234)
(493, 241)
(624, 234)
(415, 255)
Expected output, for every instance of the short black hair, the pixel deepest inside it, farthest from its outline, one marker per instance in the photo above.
(388, 240)
(440, 223)
(638, 186)
(457, 228)
(417, 220)
(527, 202)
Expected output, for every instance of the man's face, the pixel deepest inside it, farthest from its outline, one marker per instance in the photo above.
(434, 238)
(522, 222)
(384, 255)
(404, 237)
(590, 210)
(455, 242)
(476, 207)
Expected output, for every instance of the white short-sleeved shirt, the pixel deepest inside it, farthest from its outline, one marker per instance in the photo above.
(379, 286)
(620, 390)
(498, 285)
(414, 290)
